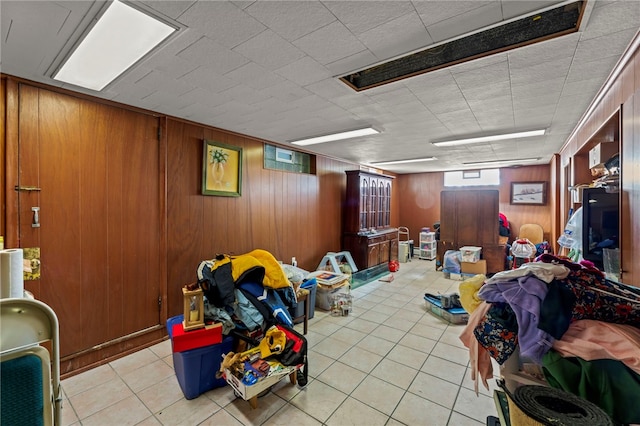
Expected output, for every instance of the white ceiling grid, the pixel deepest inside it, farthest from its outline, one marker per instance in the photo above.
(269, 69)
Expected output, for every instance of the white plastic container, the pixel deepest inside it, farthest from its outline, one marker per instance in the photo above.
(470, 254)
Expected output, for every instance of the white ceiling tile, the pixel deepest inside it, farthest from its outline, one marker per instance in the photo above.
(496, 73)
(28, 28)
(165, 102)
(612, 14)
(514, 9)
(245, 94)
(330, 43)
(287, 91)
(466, 22)
(487, 91)
(216, 57)
(291, 19)
(157, 80)
(222, 21)
(304, 71)
(489, 122)
(208, 79)
(432, 12)
(361, 16)
(588, 70)
(397, 37)
(539, 72)
(277, 94)
(253, 75)
(535, 87)
(356, 62)
(503, 104)
(542, 100)
(329, 88)
(612, 44)
(172, 65)
(581, 87)
(269, 50)
(460, 122)
(205, 98)
(170, 8)
(545, 51)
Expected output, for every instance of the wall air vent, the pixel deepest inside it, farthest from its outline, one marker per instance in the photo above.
(521, 32)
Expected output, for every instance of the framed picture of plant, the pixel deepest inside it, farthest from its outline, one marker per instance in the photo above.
(221, 169)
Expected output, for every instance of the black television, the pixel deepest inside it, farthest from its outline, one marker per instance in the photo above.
(600, 223)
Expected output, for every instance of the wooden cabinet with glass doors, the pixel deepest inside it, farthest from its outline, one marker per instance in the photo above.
(367, 234)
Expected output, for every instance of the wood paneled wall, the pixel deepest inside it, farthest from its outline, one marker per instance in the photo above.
(419, 203)
(619, 95)
(287, 214)
(3, 121)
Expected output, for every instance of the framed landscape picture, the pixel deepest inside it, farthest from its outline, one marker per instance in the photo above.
(531, 193)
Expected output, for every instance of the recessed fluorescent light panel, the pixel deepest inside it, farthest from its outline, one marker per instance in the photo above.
(492, 138)
(337, 136)
(490, 163)
(120, 38)
(413, 160)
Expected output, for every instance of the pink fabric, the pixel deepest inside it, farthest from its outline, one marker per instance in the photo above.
(591, 339)
(479, 357)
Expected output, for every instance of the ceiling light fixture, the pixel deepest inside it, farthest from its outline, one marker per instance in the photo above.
(492, 138)
(413, 160)
(493, 162)
(336, 136)
(120, 38)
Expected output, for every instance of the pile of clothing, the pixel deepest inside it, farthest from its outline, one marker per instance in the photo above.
(250, 291)
(583, 330)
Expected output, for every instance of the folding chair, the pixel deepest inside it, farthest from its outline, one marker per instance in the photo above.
(29, 373)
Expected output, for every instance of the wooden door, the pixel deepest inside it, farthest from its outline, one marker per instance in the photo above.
(372, 221)
(384, 252)
(373, 254)
(365, 199)
(448, 216)
(477, 217)
(96, 170)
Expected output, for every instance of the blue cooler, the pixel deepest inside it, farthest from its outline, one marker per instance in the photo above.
(196, 368)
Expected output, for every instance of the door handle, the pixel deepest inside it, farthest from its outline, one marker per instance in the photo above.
(26, 188)
(36, 217)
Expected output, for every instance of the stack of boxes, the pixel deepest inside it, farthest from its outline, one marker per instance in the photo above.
(471, 262)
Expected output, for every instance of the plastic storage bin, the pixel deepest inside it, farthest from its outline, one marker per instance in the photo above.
(470, 253)
(453, 315)
(196, 368)
(325, 294)
(312, 286)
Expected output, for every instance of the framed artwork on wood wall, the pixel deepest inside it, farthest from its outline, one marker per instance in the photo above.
(221, 169)
(529, 193)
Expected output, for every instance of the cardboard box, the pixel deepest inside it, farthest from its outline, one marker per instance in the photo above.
(470, 253)
(479, 267)
(184, 340)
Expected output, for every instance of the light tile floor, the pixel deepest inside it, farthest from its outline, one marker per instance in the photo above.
(390, 362)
